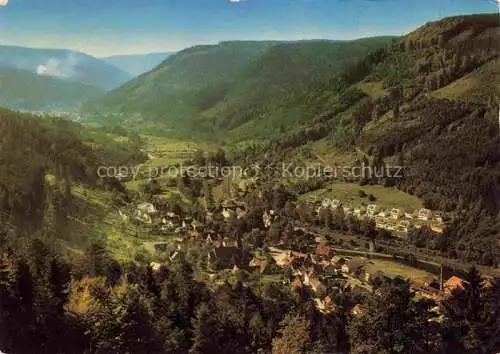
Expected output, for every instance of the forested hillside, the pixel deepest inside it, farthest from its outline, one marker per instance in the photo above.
(23, 90)
(208, 90)
(40, 160)
(430, 104)
(66, 65)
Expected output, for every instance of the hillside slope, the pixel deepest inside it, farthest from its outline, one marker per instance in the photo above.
(137, 64)
(23, 90)
(430, 105)
(63, 64)
(207, 86)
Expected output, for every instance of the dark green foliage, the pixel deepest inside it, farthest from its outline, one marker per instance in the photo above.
(29, 91)
(396, 323)
(224, 86)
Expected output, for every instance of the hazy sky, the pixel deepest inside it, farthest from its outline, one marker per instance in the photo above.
(106, 27)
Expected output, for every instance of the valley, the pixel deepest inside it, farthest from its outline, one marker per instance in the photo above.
(254, 196)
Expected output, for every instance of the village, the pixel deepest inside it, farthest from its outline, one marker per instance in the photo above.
(312, 264)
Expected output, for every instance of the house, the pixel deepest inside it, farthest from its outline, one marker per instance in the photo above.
(359, 310)
(123, 215)
(326, 305)
(347, 210)
(146, 208)
(371, 209)
(410, 213)
(226, 242)
(312, 280)
(424, 214)
(379, 222)
(325, 203)
(283, 259)
(240, 213)
(172, 216)
(227, 213)
(334, 204)
(437, 228)
(144, 212)
(396, 213)
(339, 261)
(155, 266)
(453, 283)
(403, 226)
(390, 225)
(268, 218)
(324, 251)
(257, 263)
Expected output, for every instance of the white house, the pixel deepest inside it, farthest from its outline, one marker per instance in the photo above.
(123, 215)
(424, 214)
(371, 209)
(146, 208)
(326, 203)
(335, 204)
(227, 213)
(395, 213)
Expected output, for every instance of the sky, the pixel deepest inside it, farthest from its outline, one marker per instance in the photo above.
(109, 27)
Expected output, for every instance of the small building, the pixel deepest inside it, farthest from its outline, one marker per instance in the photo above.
(228, 213)
(403, 226)
(146, 208)
(396, 213)
(325, 203)
(424, 214)
(371, 209)
(123, 215)
(155, 266)
(437, 228)
(335, 204)
(268, 218)
(339, 261)
(257, 263)
(324, 251)
(359, 310)
(453, 283)
(240, 213)
(324, 306)
(144, 212)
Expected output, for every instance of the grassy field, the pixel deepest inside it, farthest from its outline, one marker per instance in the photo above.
(373, 89)
(95, 218)
(164, 154)
(475, 87)
(348, 194)
(394, 269)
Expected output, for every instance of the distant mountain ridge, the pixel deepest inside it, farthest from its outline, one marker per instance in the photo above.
(65, 65)
(137, 64)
